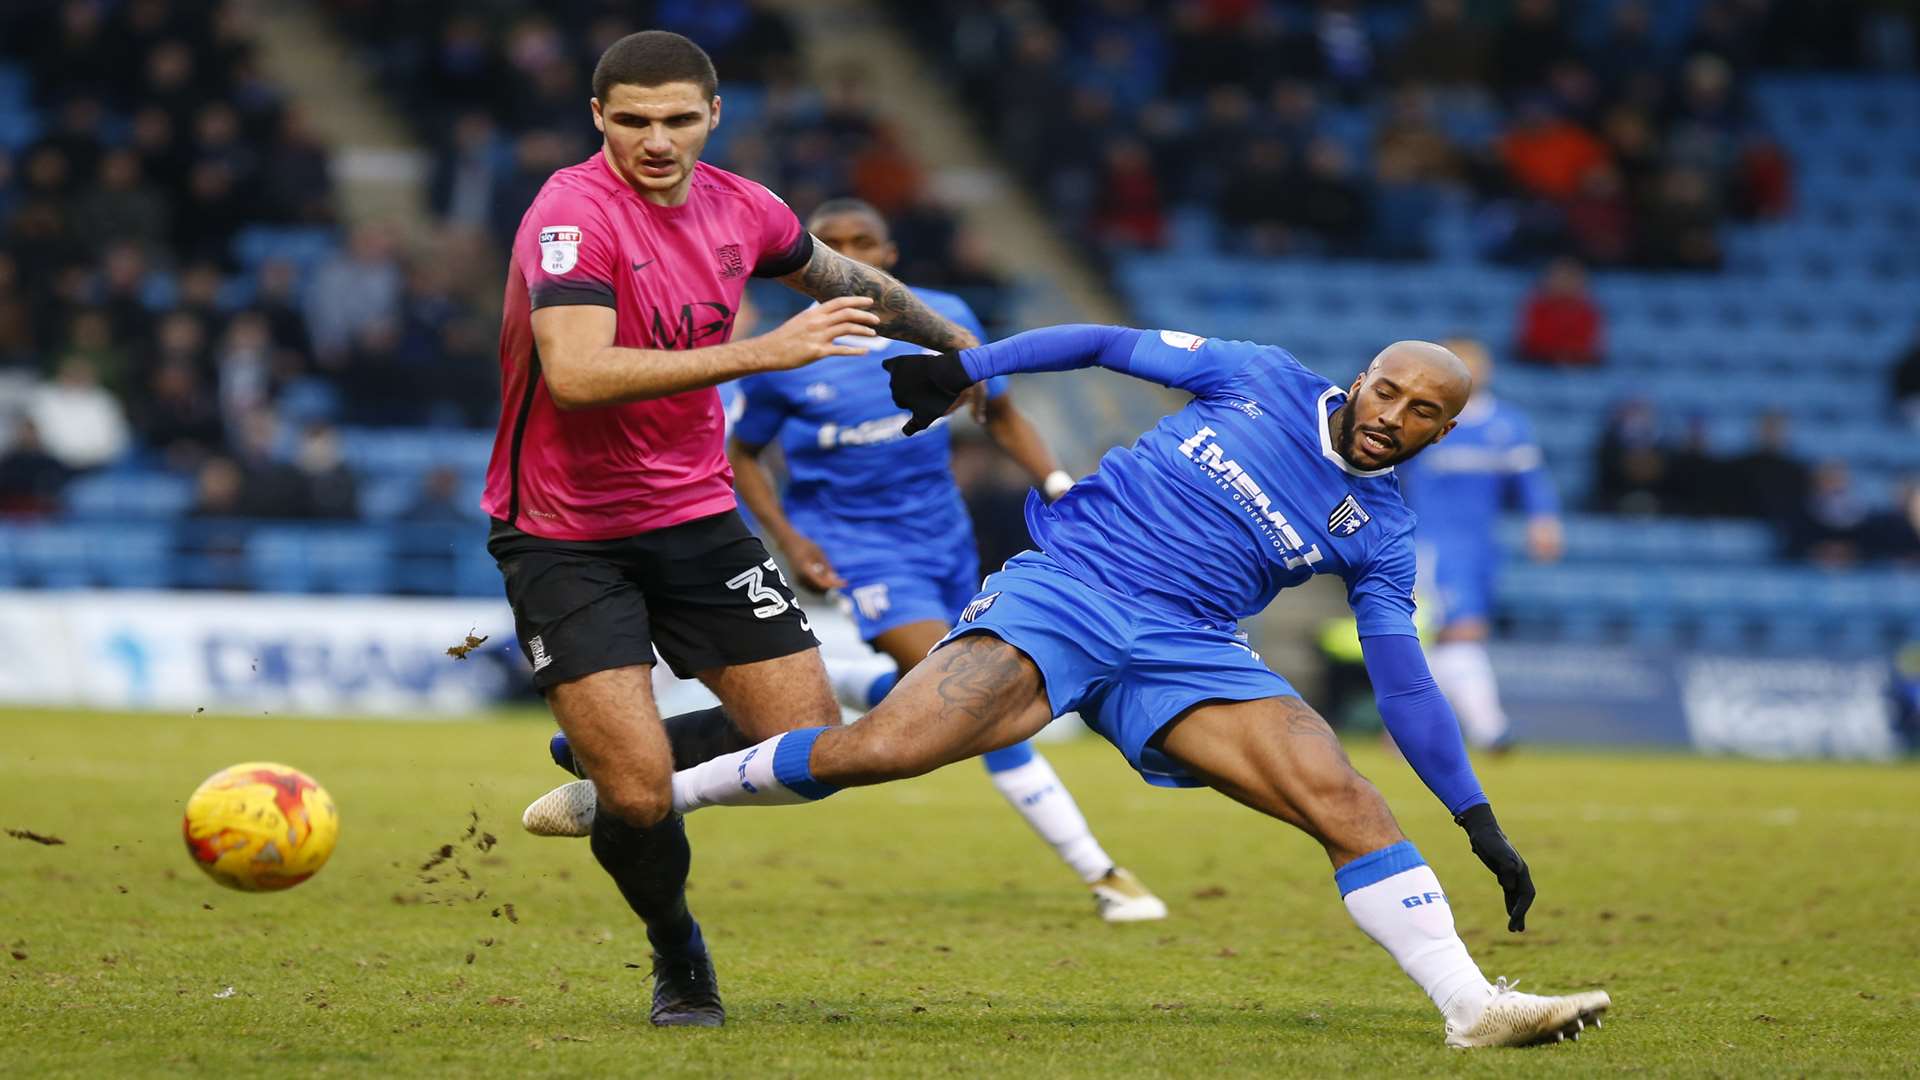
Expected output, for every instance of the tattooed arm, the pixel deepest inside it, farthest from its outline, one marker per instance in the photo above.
(903, 316)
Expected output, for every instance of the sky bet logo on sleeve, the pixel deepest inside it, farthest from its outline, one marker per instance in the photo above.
(559, 248)
(1346, 519)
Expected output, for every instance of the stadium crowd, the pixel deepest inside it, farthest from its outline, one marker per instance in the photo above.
(1621, 143)
(178, 293)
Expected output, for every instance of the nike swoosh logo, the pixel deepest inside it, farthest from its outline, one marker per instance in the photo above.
(644, 265)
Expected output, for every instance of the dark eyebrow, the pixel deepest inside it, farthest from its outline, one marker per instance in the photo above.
(1394, 386)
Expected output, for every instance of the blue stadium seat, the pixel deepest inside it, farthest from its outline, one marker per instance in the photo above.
(118, 494)
(287, 558)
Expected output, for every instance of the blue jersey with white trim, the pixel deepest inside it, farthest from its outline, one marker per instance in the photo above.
(1489, 462)
(841, 432)
(1235, 497)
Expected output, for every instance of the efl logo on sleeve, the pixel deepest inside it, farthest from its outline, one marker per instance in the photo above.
(1179, 340)
(559, 248)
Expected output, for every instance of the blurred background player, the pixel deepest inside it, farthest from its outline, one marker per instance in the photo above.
(876, 517)
(1459, 489)
(612, 503)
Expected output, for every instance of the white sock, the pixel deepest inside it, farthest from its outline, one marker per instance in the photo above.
(1395, 898)
(852, 680)
(1465, 674)
(772, 773)
(1036, 791)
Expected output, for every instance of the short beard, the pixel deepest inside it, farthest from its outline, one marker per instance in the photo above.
(1343, 443)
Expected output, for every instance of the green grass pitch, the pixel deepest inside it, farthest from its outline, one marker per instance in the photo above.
(1748, 918)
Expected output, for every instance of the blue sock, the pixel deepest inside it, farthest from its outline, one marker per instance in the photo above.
(880, 686)
(1010, 757)
(792, 764)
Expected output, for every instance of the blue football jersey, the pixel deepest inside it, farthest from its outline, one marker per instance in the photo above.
(1489, 462)
(841, 432)
(1235, 497)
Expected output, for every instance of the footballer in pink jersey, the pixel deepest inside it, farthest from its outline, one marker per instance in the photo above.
(614, 518)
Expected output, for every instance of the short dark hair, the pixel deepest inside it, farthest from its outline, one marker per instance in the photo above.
(846, 205)
(654, 58)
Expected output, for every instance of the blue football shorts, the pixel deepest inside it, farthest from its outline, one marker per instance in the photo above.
(895, 577)
(1129, 668)
(1459, 577)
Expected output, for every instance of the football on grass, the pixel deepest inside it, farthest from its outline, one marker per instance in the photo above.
(260, 826)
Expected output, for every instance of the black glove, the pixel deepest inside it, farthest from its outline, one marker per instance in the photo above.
(1497, 852)
(926, 385)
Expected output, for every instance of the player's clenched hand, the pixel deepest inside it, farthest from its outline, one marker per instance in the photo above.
(815, 570)
(1497, 852)
(926, 385)
(811, 335)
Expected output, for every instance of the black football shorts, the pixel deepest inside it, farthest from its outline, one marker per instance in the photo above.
(704, 593)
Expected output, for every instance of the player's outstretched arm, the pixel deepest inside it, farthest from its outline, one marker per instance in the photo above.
(903, 316)
(1014, 433)
(1428, 734)
(583, 368)
(755, 488)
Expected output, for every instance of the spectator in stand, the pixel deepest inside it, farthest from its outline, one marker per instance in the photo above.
(1600, 224)
(440, 500)
(1560, 325)
(80, 422)
(332, 491)
(1697, 479)
(1906, 382)
(1773, 482)
(1762, 180)
(1830, 526)
(16, 318)
(1252, 204)
(1129, 212)
(1527, 46)
(354, 290)
(1680, 230)
(30, 478)
(1444, 48)
(1895, 533)
(296, 182)
(1629, 51)
(177, 417)
(1631, 466)
(1546, 154)
(1328, 202)
(469, 171)
(122, 208)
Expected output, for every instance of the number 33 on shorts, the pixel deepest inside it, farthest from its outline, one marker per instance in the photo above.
(770, 601)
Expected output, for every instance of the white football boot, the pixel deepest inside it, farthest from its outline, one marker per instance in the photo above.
(1510, 1018)
(1119, 897)
(567, 810)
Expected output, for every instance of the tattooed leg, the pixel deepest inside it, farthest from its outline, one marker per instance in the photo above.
(1279, 757)
(903, 316)
(973, 695)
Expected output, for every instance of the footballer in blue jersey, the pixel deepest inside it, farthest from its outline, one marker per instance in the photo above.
(876, 517)
(1127, 611)
(1489, 464)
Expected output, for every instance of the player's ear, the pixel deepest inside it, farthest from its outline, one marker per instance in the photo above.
(713, 115)
(890, 255)
(599, 121)
(1443, 432)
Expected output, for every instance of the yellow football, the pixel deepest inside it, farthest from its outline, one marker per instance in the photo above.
(260, 826)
